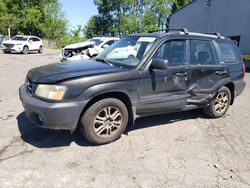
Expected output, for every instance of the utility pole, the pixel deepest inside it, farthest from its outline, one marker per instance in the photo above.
(9, 33)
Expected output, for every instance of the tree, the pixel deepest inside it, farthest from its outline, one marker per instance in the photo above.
(55, 25)
(42, 18)
(178, 4)
(97, 26)
(122, 17)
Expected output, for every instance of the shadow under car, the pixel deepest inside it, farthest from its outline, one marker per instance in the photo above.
(47, 138)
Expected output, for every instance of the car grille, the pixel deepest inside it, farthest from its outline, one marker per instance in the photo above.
(29, 86)
(8, 45)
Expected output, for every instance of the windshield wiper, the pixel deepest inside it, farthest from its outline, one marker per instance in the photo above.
(105, 61)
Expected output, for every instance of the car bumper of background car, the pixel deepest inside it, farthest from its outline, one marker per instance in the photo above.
(13, 49)
(74, 58)
(58, 115)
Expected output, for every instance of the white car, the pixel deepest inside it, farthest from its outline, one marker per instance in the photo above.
(87, 49)
(1, 39)
(22, 44)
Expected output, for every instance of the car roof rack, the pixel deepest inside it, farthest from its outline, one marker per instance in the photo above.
(217, 34)
(167, 30)
(184, 30)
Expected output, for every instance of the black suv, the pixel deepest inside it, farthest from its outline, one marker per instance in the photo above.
(140, 75)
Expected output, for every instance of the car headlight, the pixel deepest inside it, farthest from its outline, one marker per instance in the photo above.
(52, 92)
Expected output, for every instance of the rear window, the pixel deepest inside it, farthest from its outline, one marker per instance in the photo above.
(228, 52)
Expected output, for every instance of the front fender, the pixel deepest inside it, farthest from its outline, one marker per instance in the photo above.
(128, 87)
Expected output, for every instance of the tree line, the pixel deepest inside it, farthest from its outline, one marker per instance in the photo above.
(43, 18)
(46, 19)
(122, 17)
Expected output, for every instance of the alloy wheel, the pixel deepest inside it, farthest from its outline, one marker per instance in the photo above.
(221, 102)
(107, 122)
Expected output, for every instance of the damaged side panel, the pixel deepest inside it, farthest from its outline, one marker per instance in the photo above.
(205, 81)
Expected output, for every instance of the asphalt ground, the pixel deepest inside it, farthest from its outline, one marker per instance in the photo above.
(183, 149)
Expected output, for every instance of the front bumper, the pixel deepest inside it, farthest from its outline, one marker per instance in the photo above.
(51, 115)
(75, 58)
(12, 49)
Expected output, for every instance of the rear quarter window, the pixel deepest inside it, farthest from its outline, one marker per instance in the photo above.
(228, 52)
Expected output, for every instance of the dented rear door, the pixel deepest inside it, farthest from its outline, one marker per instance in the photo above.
(207, 74)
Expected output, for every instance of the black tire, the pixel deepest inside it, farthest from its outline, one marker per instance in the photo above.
(6, 52)
(98, 133)
(25, 50)
(218, 107)
(40, 50)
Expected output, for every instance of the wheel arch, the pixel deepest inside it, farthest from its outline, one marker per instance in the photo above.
(122, 96)
(231, 87)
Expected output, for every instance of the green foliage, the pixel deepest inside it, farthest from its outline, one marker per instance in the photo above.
(43, 18)
(122, 17)
(178, 4)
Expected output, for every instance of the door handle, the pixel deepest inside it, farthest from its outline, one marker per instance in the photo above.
(221, 72)
(181, 74)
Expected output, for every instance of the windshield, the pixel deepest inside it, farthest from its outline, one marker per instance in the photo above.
(20, 38)
(96, 41)
(127, 51)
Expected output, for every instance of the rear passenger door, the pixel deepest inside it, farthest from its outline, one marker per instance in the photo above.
(36, 43)
(31, 43)
(207, 72)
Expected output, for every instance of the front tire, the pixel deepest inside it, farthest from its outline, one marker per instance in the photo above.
(104, 121)
(220, 104)
(25, 50)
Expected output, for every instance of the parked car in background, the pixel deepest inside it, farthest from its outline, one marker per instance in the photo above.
(1, 39)
(22, 44)
(87, 49)
(168, 72)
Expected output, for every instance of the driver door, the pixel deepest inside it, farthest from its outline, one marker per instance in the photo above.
(165, 90)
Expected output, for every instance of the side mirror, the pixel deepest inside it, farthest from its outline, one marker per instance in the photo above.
(161, 64)
(31, 41)
(105, 46)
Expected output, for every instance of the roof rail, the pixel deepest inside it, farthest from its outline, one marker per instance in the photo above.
(184, 30)
(217, 34)
(167, 30)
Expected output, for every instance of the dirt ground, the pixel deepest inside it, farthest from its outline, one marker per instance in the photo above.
(173, 150)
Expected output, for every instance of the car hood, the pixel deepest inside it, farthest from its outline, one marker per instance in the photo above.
(80, 45)
(53, 73)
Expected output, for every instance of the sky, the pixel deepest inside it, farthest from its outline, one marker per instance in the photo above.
(78, 12)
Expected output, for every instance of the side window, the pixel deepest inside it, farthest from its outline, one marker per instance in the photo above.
(202, 53)
(228, 52)
(174, 51)
(36, 39)
(110, 42)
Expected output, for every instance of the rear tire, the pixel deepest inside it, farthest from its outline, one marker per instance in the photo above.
(40, 50)
(104, 121)
(25, 50)
(220, 104)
